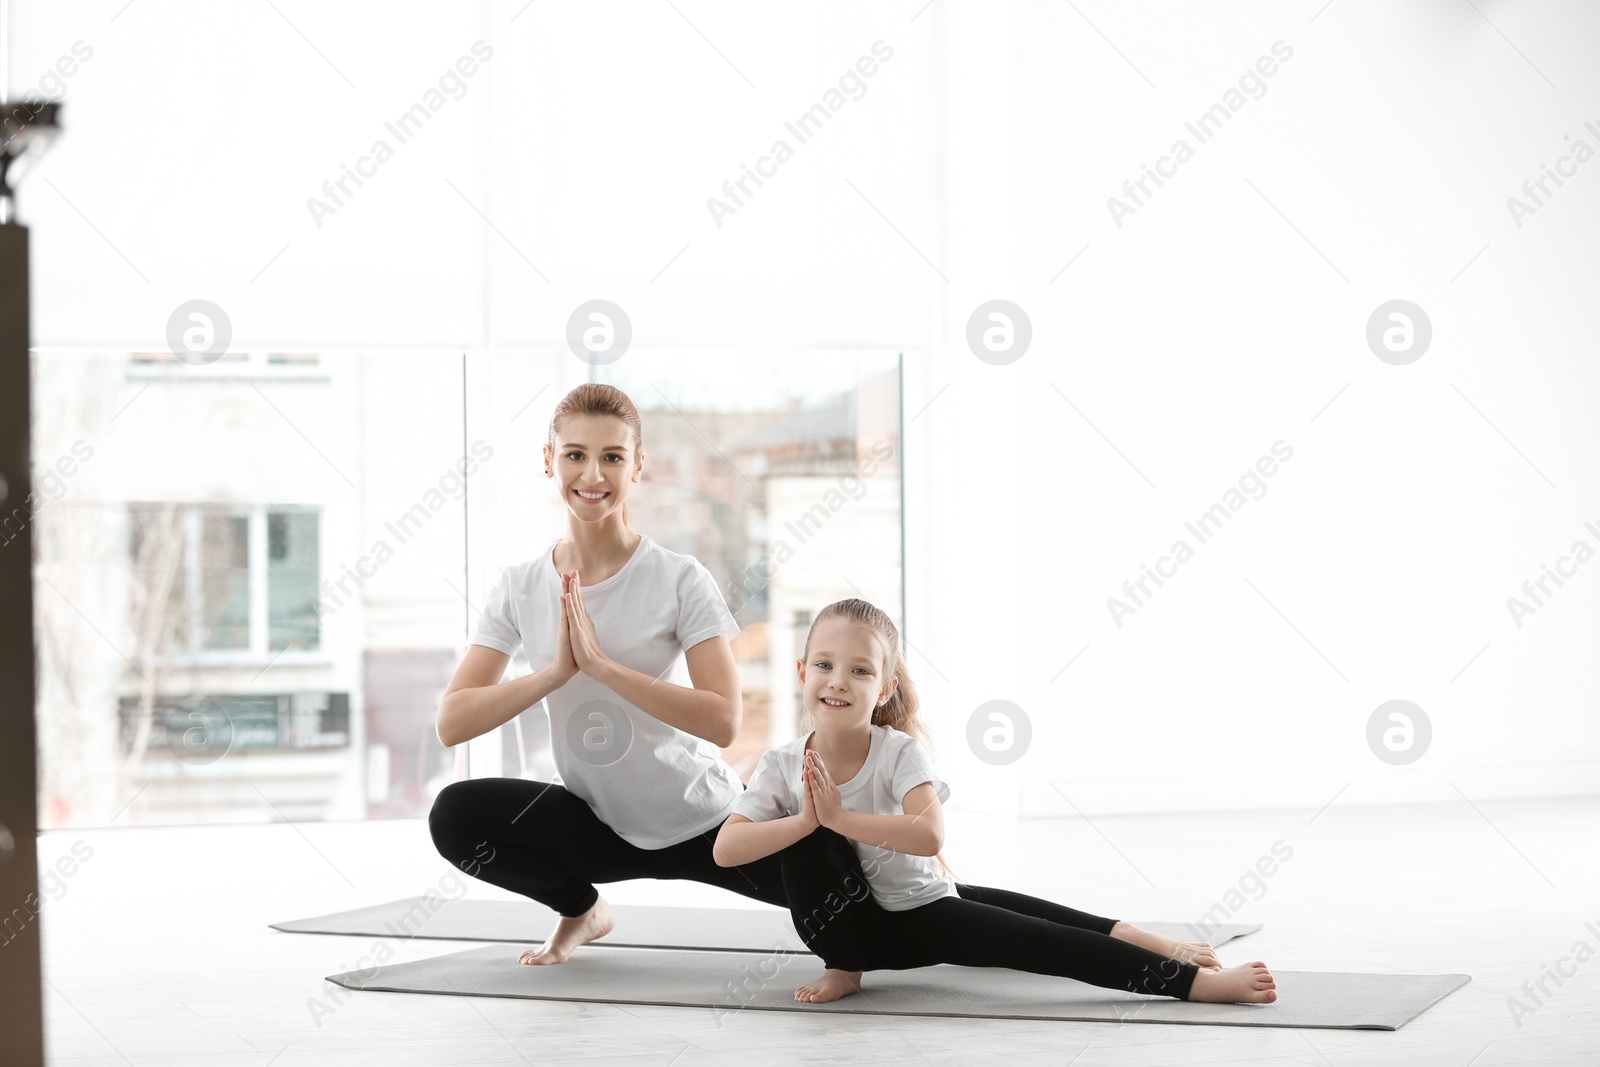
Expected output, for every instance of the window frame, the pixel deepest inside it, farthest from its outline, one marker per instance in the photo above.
(257, 653)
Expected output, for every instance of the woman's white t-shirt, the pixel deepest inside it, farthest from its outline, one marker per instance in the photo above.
(654, 784)
(896, 764)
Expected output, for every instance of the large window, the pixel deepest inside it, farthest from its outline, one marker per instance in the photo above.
(263, 627)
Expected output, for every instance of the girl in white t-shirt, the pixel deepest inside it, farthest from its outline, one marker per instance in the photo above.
(852, 811)
(642, 691)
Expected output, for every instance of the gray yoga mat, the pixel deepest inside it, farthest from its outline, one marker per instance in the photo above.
(638, 926)
(726, 982)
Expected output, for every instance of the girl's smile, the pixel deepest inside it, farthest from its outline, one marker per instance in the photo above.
(844, 670)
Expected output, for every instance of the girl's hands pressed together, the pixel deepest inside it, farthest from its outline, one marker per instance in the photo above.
(581, 635)
(808, 810)
(824, 795)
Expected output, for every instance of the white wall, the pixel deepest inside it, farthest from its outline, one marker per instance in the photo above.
(1221, 317)
(1378, 564)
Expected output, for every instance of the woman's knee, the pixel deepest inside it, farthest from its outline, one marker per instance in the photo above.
(455, 812)
(458, 828)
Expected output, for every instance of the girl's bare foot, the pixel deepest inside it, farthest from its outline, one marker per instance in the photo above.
(569, 933)
(1199, 953)
(831, 986)
(1248, 983)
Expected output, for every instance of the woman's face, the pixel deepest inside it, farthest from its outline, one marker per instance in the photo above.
(594, 465)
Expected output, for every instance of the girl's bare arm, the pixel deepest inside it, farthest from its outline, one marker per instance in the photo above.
(743, 841)
(919, 832)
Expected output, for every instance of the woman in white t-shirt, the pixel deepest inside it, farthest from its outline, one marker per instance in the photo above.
(852, 811)
(642, 691)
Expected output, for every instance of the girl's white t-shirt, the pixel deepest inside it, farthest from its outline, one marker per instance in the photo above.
(896, 764)
(654, 784)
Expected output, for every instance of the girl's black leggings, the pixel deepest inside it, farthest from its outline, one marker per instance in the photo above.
(540, 840)
(981, 927)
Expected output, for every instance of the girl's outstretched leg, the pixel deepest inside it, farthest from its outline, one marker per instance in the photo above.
(1199, 953)
(972, 934)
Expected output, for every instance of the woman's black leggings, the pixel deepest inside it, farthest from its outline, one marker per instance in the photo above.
(542, 841)
(981, 927)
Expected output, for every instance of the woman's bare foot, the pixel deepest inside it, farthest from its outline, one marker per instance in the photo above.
(1248, 983)
(595, 923)
(1199, 953)
(831, 986)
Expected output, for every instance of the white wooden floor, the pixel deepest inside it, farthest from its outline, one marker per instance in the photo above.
(157, 949)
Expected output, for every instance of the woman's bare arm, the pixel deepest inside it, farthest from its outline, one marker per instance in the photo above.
(712, 709)
(477, 701)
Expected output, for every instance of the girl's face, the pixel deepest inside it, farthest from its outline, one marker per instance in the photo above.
(843, 677)
(593, 464)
